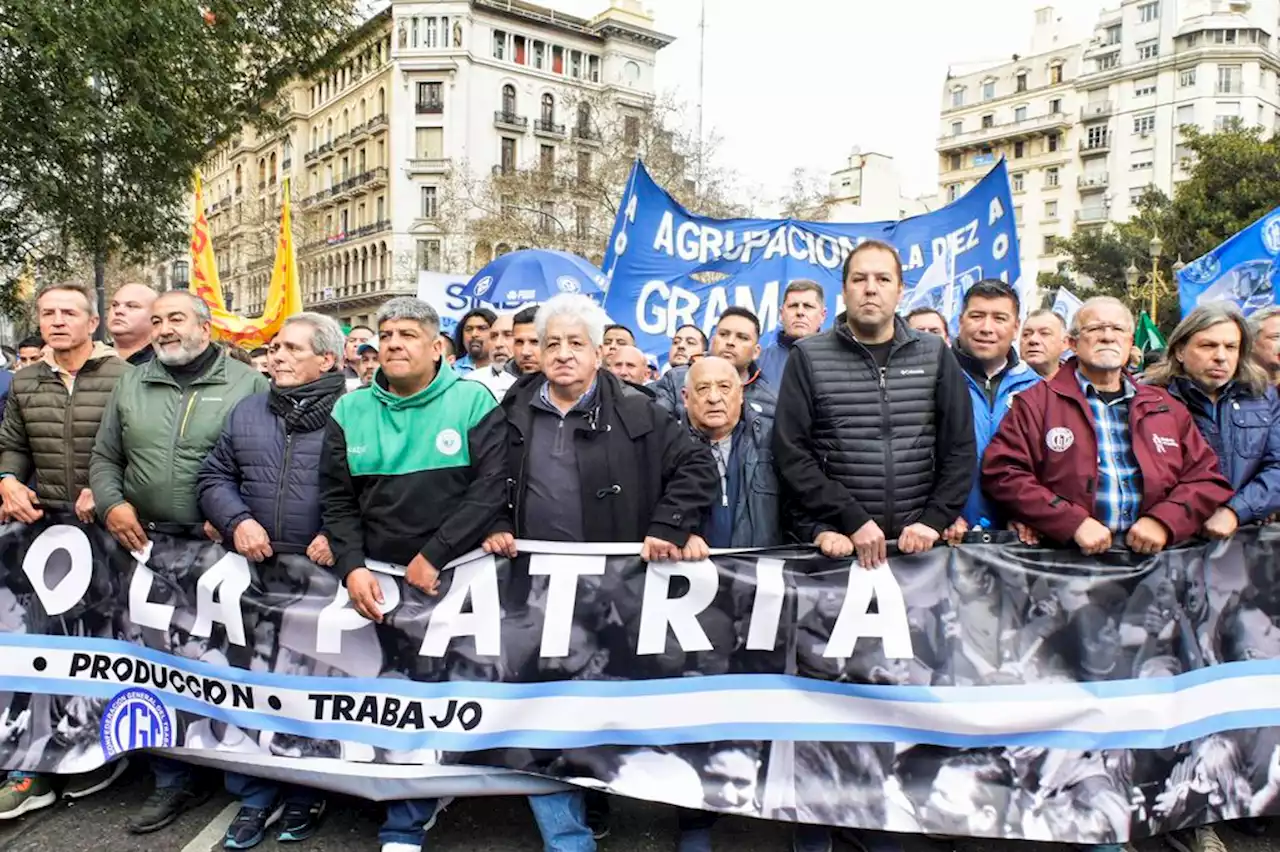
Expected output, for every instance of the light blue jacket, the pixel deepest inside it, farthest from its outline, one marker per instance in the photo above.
(991, 400)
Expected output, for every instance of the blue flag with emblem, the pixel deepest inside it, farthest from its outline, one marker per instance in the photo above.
(668, 267)
(1244, 270)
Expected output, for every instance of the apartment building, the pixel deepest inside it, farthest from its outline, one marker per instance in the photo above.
(1151, 68)
(868, 189)
(421, 91)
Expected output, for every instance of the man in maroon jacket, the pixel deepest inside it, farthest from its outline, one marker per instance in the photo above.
(1090, 455)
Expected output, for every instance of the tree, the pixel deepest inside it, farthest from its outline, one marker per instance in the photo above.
(108, 106)
(567, 196)
(1233, 180)
(808, 197)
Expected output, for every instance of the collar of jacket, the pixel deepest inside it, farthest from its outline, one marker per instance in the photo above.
(445, 379)
(902, 334)
(786, 341)
(97, 354)
(1066, 384)
(611, 393)
(971, 365)
(154, 372)
(748, 422)
(1185, 390)
(753, 373)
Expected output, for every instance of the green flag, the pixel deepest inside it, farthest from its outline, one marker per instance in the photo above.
(1147, 337)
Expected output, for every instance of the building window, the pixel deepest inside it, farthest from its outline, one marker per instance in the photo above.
(1051, 177)
(1230, 79)
(547, 220)
(1109, 61)
(584, 119)
(984, 157)
(584, 166)
(1050, 244)
(1055, 106)
(430, 143)
(1055, 75)
(518, 45)
(539, 55)
(430, 207)
(631, 130)
(1144, 87)
(1019, 150)
(957, 162)
(1141, 160)
(1187, 77)
(1186, 115)
(953, 192)
(957, 97)
(1051, 210)
(508, 155)
(508, 100)
(1148, 49)
(1144, 123)
(1017, 215)
(1095, 136)
(1020, 82)
(988, 121)
(575, 64)
(1053, 141)
(957, 127)
(1018, 181)
(988, 89)
(582, 221)
(1113, 35)
(548, 110)
(547, 158)
(430, 97)
(1020, 114)
(429, 255)
(1148, 12)
(499, 44)
(557, 60)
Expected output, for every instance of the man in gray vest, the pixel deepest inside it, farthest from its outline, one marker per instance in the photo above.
(873, 438)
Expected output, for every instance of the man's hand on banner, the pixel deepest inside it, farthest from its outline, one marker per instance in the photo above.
(1147, 536)
(1092, 537)
(12, 729)
(834, 545)
(211, 532)
(1026, 534)
(954, 534)
(1221, 524)
(251, 540)
(84, 506)
(917, 538)
(122, 523)
(365, 594)
(657, 550)
(500, 544)
(318, 551)
(423, 576)
(20, 502)
(695, 549)
(870, 545)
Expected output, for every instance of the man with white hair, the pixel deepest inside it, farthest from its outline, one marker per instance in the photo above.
(592, 459)
(1264, 328)
(172, 409)
(1089, 457)
(260, 488)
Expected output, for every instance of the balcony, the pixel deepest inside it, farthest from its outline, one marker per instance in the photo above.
(510, 121)
(359, 132)
(378, 123)
(311, 156)
(325, 150)
(343, 142)
(430, 165)
(541, 127)
(1096, 146)
(1091, 216)
(1230, 88)
(1091, 112)
(1093, 183)
(585, 134)
(1008, 132)
(429, 107)
(357, 294)
(286, 164)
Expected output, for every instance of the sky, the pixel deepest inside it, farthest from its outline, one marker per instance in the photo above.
(800, 83)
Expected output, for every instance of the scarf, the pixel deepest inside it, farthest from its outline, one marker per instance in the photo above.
(306, 408)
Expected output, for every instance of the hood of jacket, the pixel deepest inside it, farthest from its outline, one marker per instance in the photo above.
(446, 377)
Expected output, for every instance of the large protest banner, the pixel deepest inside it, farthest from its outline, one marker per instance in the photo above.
(668, 267)
(1245, 270)
(985, 690)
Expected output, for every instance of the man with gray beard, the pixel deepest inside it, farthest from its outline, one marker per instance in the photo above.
(172, 409)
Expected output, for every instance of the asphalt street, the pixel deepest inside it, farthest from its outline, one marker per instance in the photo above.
(469, 825)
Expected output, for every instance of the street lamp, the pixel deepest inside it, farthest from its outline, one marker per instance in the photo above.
(180, 272)
(1154, 281)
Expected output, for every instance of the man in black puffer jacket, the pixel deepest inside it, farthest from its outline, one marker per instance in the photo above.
(260, 489)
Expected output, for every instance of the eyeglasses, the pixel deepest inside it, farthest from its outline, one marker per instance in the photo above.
(1098, 328)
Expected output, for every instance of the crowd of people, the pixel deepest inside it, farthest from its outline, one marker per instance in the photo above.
(399, 444)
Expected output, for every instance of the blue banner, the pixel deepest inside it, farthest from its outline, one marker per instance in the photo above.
(668, 267)
(1243, 270)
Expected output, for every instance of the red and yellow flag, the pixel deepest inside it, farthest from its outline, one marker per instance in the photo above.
(284, 293)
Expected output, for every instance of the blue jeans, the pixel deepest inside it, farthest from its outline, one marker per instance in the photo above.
(562, 820)
(407, 821)
(170, 773)
(262, 794)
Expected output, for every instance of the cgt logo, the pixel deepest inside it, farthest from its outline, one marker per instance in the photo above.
(134, 719)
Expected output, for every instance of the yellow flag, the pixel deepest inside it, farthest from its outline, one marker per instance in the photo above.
(284, 293)
(26, 288)
(204, 269)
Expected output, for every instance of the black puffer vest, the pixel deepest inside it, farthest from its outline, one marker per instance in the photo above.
(875, 431)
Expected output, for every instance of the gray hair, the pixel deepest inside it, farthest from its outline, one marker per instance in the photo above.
(198, 305)
(1098, 302)
(1048, 312)
(409, 308)
(576, 308)
(326, 335)
(89, 296)
(1248, 373)
(1257, 319)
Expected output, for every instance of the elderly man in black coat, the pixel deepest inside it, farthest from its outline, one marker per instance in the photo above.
(260, 490)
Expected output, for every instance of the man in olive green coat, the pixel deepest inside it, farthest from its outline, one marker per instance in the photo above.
(161, 421)
(51, 417)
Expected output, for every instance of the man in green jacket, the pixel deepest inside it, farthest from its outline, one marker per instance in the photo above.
(51, 415)
(161, 421)
(413, 473)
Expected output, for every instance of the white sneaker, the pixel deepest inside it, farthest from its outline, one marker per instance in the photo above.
(400, 847)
